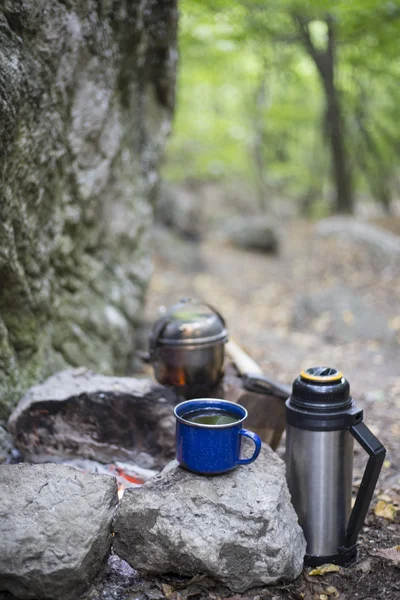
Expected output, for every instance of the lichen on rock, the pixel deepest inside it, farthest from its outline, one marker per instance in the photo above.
(239, 528)
(86, 98)
(55, 529)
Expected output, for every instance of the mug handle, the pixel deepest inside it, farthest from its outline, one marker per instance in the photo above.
(257, 443)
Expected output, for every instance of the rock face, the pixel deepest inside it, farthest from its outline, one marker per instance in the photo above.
(55, 529)
(78, 414)
(239, 528)
(86, 98)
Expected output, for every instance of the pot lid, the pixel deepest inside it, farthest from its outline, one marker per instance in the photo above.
(190, 321)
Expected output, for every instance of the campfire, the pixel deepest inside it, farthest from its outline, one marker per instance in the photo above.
(126, 474)
(124, 428)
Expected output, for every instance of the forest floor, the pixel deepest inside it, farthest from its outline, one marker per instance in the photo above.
(262, 298)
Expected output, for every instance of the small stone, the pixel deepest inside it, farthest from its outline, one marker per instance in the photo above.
(239, 527)
(252, 233)
(55, 529)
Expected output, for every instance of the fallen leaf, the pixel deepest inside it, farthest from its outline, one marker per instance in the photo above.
(385, 497)
(328, 568)
(197, 578)
(167, 590)
(394, 323)
(323, 597)
(392, 554)
(365, 565)
(348, 317)
(321, 323)
(375, 396)
(332, 591)
(194, 590)
(385, 510)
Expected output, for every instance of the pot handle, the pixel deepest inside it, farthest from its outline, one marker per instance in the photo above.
(155, 334)
(377, 452)
(216, 312)
(188, 299)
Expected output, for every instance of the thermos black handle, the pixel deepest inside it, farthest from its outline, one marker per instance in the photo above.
(377, 453)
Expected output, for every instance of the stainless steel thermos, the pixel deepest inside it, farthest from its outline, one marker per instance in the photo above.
(322, 422)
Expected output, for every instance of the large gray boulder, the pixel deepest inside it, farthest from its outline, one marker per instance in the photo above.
(79, 414)
(372, 236)
(239, 527)
(86, 99)
(55, 529)
(341, 314)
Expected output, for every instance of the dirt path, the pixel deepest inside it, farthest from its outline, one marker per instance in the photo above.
(259, 296)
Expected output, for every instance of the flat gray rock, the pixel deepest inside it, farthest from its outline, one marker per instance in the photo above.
(341, 314)
(252, 233)
(239, 528)
(80, 414)
(55, 529)
(349, 228)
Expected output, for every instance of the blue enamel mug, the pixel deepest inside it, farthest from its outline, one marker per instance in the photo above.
(212, 449)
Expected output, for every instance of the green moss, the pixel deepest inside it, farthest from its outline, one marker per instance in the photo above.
(81, 139)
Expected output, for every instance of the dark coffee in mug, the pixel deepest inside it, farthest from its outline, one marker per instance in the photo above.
(210, 417)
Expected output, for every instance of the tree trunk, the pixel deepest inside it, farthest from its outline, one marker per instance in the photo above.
(325, 63)
(341, 176)
(259, 140)
(87, 94)
(370, 159)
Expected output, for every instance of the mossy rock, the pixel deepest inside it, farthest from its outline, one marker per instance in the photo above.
(84, 117)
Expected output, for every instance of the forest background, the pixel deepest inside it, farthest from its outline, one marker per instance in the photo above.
(293, 100)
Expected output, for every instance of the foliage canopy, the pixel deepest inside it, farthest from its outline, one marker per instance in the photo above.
(254, 103)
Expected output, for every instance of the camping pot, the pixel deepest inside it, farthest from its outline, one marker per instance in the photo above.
(321, 422)
(187, 347)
